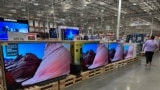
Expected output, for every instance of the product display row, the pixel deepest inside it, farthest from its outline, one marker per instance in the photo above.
(35, 62)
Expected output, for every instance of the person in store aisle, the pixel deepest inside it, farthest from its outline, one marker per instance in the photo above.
(149, 47)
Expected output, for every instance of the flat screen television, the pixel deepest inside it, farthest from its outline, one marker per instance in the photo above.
(140, 38)
(12, 26)
(139, 47)
(94, 55)
(27, 64)
(69, 34)
(53, 33)
(115, 51)
(128, 51)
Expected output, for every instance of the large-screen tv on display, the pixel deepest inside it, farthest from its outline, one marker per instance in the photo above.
(69, 33)
(27, 64)
(115, 51)
(128, 51)
(8, 25)
(53, 33)
(94, 55)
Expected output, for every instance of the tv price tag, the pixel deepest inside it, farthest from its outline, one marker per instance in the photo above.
(12, 50)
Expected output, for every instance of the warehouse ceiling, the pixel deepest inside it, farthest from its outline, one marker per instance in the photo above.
(90, 14)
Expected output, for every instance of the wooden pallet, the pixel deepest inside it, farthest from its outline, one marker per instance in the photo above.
(99, 71)
(132, 60)
(91, 74)
(94, 72)
(84, 75)
(78, 79)
(122, 63)
(50, 86)
(81, 77)
(33, 88)
(110, 67)
(67, 82)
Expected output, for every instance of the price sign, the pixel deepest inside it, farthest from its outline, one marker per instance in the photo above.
(12, 50)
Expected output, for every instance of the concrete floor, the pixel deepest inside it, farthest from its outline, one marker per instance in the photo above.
(131, 77)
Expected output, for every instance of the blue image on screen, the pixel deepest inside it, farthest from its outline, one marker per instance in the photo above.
(112, 50)
(88, 54)
(34, 48)
(112, 46)
(13, 27)
(106, 45)
(126, 47)
(69, 34)
(88, 47)
(67, 46)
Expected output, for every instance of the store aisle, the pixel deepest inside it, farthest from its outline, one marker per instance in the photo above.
(131, 77)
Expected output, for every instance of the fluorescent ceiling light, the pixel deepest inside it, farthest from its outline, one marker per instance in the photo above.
(36, 4)
(51, 11)
(13, 10)
(134, 4)
(102, 10)
(46, 5)
(23, 10)
(102, 3)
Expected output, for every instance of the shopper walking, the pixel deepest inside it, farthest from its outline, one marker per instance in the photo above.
(149, 47)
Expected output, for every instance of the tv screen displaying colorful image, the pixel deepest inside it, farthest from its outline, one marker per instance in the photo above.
(128, 51)
(140, 38)
(6, 27)
(94, 55)
(27, 64)
(53, 33)
(69, 34)
(115, 51)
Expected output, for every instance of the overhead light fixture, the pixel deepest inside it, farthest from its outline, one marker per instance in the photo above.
(23, 10)
(102, 10)
(39, 14)
(134, 4)
(13, 10)
(36, 4)
(51, 11)
(9, 14)
(102, 3)
(85, 5)
(82, 14)
(46, 5)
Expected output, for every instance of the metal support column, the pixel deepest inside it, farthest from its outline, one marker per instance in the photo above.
(152, 27)
(118, 19)
(47, 23)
